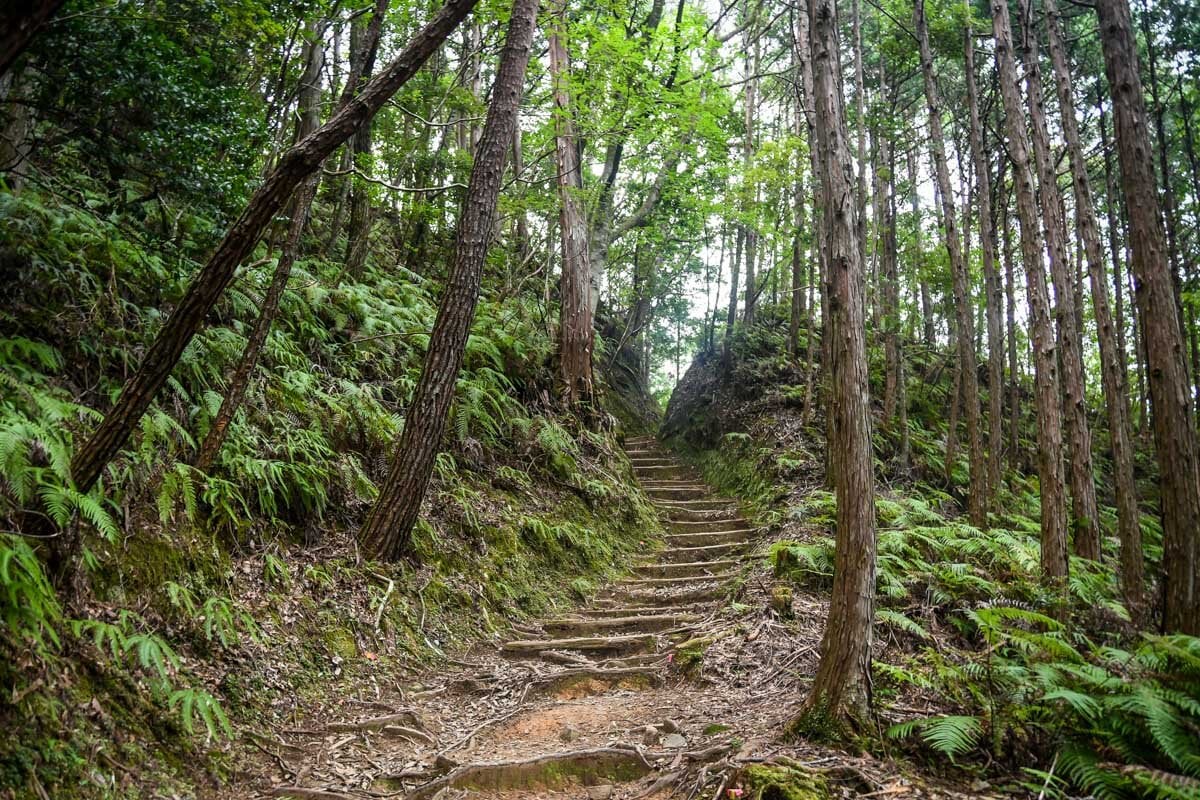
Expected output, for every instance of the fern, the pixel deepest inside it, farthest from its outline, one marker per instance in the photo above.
(951, 735)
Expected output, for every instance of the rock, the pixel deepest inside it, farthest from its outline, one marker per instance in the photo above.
(569, 734)
(603, 792)
(649, 735)
(670, 726)
(674, 741)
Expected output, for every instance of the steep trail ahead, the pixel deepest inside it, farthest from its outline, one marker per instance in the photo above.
(600, 695)
(664, 686)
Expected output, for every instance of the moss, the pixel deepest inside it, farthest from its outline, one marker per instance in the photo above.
(689, 656)
(771, 782)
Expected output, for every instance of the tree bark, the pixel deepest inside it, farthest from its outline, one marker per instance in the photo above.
(575, 332)
(841, 688)
(802, 49)
(207, 287)
(750, 191)
(796, 303)
(977, 503)
(1015, 458)
(362, 62)
(19, 24)
(1174, 431)
(731, 317)
(388, 528)
(1115, 391)
(991, 277)
(1045, 358)
(1085, 516)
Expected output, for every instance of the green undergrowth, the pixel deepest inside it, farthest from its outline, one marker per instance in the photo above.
(197, 606)
(1051, 692)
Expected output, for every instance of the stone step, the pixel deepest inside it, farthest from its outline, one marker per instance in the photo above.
(640, 623)
(686, 580)
(691, 569)
(723, 522)
(670, 595)
(676, 493)
(616, 610)
(680, 555)
(657, 467)
(688, 507)
(634, 642)
(675, 483)
(705, 538)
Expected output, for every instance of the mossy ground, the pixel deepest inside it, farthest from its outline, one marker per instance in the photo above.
(771, 782)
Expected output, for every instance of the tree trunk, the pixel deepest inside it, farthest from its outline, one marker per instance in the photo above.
(1111, 205)
(1085, 516)
(731, 317)
(575, 334)
(388, 528)
(841, 689)
(206, 288)
(1015, 457)
(19, 23)
(893, 388)
(796, 303)
(860, 124)
(991, 277)
(308, 112)
(1174, 432)
(1045, 357)
(964, 310)
(1115, 396)
(750, 192)
(363, 46)
(802, 49)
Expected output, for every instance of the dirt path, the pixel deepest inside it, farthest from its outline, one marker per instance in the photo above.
(665, 685)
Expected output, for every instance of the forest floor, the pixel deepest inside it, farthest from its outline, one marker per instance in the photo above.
(676, 681)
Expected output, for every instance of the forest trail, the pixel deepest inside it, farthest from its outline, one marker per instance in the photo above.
(667, 684)
(609, 701)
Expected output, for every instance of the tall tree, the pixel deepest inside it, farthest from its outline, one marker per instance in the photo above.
(388, 527)
(750, 188)
(1045, 357)
(1115, 397)
(993, 293)
(841, 688)
(209, 284)
(964, 308)
(363, 47)
(1174, 430)
(575, 333)
(1085, 517)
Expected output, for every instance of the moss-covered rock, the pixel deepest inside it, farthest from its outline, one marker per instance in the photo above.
(774, 782)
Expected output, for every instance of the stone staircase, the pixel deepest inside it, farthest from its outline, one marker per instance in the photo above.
(638, 619)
